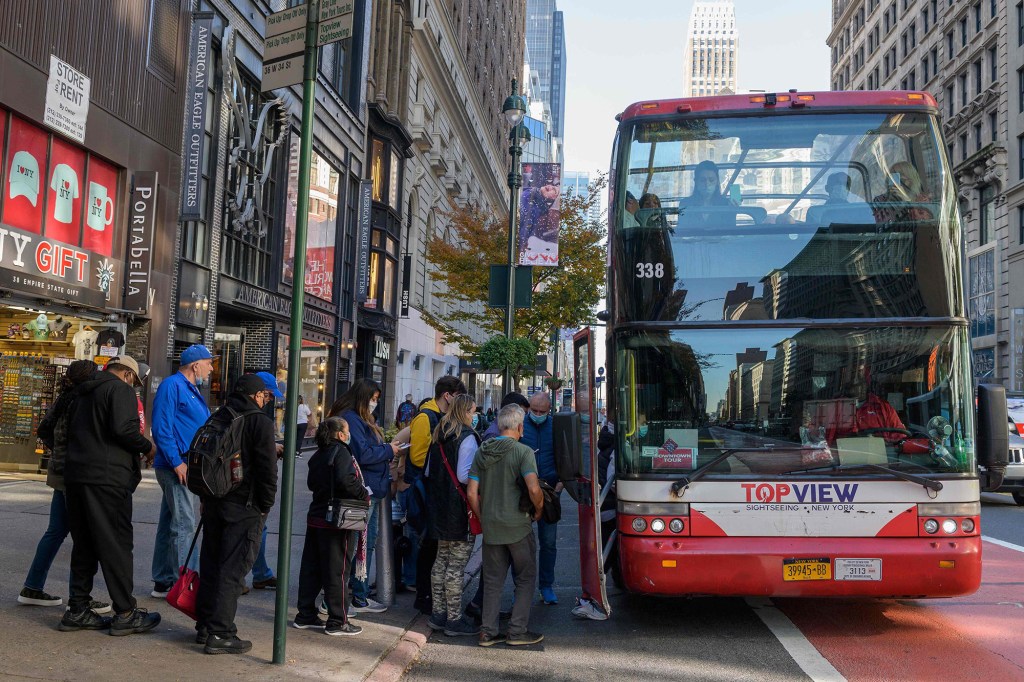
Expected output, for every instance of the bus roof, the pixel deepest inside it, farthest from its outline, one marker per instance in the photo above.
(782, 100)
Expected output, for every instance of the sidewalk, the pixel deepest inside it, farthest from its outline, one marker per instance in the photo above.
(34, 649)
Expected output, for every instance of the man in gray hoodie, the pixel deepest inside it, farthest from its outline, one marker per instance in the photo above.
(508, 538)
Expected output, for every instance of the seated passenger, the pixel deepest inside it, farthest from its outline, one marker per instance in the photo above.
(905, 187)
(838, 188)
(650, 213)
(707, 192)
(629, 216)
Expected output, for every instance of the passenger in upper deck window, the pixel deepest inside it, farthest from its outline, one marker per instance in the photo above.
(707, 189)
(905, 188)
(629, 216)
(650, 214)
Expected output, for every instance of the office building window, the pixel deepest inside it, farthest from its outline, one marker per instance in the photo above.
(993, 65)
(1020, 90)
(993, 5)
(924, 69)
(949, 45)
(963, 32)
(977, 137)
(977, 77)
(988, 214)
(982, 294)
(924, 20)
(963, 146)
(963, 89)
(912, 80)
(1020, 23)
(1020, 224)
(993, 126)
(949, 101)
(1020, 157)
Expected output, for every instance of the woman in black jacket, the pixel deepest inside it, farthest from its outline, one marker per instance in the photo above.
(454, 443)
(327, 551)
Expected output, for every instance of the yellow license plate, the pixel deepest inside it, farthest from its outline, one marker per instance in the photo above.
(806, 569)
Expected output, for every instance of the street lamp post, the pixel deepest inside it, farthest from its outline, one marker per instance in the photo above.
(514, 109)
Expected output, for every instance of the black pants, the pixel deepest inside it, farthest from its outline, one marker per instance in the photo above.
(100, 518)
(424, 565)
(326, 557)
(231, 540)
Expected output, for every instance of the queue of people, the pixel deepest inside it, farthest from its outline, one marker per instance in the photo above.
(466, 462)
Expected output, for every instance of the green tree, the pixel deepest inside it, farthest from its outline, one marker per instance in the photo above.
(519, 355)
(563, 296)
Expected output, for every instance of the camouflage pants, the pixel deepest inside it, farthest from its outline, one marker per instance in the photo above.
(446, 577)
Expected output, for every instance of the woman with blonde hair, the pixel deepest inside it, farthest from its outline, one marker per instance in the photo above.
(452, 448)
(373, 455)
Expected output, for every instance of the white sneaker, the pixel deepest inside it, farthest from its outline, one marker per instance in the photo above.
(157, 593)
(371, 606)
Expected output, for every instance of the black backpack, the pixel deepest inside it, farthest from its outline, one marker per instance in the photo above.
(215, 457)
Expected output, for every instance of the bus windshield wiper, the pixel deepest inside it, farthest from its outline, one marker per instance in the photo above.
(928, 483)
(680, 486)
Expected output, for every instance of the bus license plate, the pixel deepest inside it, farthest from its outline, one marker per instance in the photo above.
(858, 569)
(806, 569)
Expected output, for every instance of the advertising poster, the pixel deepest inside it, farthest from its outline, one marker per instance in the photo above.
(320, 225)
(100, 192)
(64, 192)
(540, 214)
(25, 164)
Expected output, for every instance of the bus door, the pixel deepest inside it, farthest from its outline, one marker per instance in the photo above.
(592, 575)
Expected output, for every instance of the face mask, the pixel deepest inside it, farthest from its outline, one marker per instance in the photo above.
(345, 438)
(538, 419)
(200, 382)
(476, 420)
(642, 431)
(373, 406)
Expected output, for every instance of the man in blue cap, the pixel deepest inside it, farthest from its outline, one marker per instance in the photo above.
(262, 575)
(179, 409)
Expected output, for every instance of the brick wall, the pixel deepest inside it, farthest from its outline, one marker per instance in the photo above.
(137, 340)
(259, 345)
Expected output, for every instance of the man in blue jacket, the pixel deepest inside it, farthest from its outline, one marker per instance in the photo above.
(538, 433)
(179, 409)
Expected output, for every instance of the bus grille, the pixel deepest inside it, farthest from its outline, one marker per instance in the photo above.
(1016, 456)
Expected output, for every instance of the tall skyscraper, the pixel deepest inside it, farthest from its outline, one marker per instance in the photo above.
(579, 183)
(545, 41)
(711, 47)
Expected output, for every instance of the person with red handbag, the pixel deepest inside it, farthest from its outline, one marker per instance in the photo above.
(450, 521)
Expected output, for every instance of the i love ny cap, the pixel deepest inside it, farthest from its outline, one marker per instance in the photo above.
(24, 177)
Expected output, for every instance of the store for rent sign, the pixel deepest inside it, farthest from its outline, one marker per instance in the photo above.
(67, 100)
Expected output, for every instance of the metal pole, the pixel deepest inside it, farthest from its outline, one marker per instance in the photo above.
(284, 548)
(515, 181)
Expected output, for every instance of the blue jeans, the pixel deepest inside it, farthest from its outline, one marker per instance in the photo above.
(361, 588)
(174, 530)
(260, 569)
(50, 543)
(547, 540)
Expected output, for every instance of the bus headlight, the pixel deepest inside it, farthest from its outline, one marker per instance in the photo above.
(949, 526)
(658, 525)
(931, 526)
(639, 525)
(676, 525)
(967, 525)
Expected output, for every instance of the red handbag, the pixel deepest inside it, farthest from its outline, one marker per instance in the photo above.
(182, 595)
(474, 521)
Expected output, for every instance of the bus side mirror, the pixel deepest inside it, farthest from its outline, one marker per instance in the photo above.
(567, 432)
(993, 439)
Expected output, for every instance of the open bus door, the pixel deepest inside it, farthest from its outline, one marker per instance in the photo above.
(575, 439)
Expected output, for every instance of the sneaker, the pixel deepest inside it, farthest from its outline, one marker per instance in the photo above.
(339, 629)
(349, 611)
(308, 623)
(437, 621)
(460, 628)
(135, 621)
(216, 644)
(100, 607)
(245, 589)
(369, 606)
(491, 640)
(202, 634)
(268, 584)
(38, 598)
(82, 620)
(525, 639)
(160, 590)
(548, 596)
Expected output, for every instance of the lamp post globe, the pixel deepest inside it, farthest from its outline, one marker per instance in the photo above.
(514, 110)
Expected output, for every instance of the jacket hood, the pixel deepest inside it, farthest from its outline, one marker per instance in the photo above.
(493, 450)
(97, 379)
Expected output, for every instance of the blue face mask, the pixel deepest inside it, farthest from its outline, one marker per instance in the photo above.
(538, 419)
(642, 431)
(476, 420)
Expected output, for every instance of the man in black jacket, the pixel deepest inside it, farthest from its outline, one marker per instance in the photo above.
(101, 472)
(233, 524)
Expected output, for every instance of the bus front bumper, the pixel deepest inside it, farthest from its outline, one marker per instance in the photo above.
(748, 566)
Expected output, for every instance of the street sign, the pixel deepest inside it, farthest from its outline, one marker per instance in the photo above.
(283, 72)
(333, 30)
(284, 45)
(286, 21)
(330, 9)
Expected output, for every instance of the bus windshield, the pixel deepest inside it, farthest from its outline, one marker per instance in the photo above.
(794, 399)
(841, 215)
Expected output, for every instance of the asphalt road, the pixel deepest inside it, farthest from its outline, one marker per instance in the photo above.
(725, 639)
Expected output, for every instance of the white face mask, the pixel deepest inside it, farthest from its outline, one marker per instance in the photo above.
(373, 406)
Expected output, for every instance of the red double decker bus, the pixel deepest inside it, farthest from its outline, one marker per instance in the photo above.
(789, 367)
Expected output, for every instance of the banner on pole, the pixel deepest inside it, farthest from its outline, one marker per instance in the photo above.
(540, 214)
(199, 74)
(406, 276)
(363, 253)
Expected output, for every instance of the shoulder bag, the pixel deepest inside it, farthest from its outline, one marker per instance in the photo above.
(345, 514)
(183, 593)
(474, 521)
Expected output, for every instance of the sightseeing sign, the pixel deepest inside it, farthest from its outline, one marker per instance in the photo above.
(285, 43)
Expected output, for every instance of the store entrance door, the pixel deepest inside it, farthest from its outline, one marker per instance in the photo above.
(228, 347)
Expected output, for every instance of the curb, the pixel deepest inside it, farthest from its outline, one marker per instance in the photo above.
(396, 661)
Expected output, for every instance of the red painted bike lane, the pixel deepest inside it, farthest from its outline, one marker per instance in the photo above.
(967, 638)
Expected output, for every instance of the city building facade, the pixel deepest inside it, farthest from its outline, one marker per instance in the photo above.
(545, 41)
(712, 45)
(969, 55)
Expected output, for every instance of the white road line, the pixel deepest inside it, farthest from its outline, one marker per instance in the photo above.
(793, 641)
(1002, 543)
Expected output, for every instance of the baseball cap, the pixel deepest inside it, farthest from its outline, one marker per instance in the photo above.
(194, 353)
(130, 363)
(270, 383)
(24, 177)
(249, 384)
